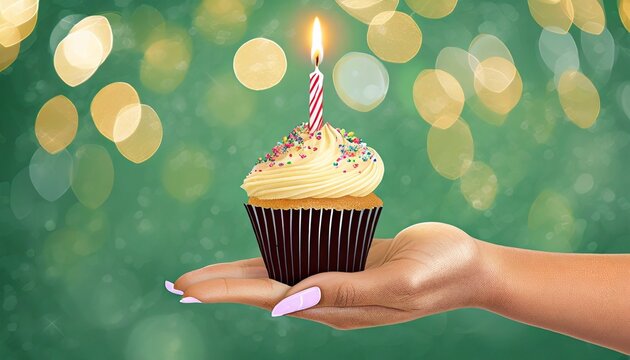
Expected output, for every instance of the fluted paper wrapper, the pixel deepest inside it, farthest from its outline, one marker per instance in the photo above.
(298, 243)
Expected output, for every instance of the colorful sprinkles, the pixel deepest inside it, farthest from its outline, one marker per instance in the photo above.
(349, 153)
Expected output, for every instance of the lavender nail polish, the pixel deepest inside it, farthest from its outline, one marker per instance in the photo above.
(190, 300)
(170, 287)
(304, 299)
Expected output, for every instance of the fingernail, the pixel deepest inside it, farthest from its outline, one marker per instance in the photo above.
(170, 287)
(189, 300)
(299, 301)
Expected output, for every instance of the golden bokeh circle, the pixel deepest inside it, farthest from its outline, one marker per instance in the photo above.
(394, 36)
(451, 151)
(460, 64)
(8, 55)
(102, 30)
(438, 97)
(579, 98)
(479, 186)
(17, 20)
(77, 57)
(222, 22)
(432, 9)
(166, 60)
(56, 124)
(108, 102)
(498, 84)
(556, 16)
(259, 64)
(366, 10)
(485, 46)
(590, 16)
(146, 138)
(624, 13)
(92, 175)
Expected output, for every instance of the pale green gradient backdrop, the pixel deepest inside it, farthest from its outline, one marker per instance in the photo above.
(79, 283)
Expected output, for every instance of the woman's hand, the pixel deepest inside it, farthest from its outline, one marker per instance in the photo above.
(426, 268)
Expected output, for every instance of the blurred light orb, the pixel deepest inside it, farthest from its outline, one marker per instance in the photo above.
(361, 81)
(551, 223)
(485, 46)
(56, 124)
(109, 102)
(62, 29)
(164, 337)
(479, 186)
(51, 174)
(584, 183)
(186, 174)
(579, 98)
(590, 16)
(83, 50)
(92, 175)
(8, 55)
(555, 15)
(166, 60)
(17, 20)
(460, 64)
(624, 13)
(259, 64)
(228, 102)
(394, 36)
(559, 52)
(438, 97)
(146, 21)
(498, 84)
(451, 151)
(366, 10)
(599, 51)
(222, 22)
(432, 9)
(146, 138)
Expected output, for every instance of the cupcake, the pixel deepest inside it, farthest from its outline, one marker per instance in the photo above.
(312, 204)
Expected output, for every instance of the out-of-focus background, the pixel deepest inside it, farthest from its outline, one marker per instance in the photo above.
(87, 237)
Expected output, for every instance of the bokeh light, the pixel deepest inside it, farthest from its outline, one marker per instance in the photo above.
(223, 22)
(361, 81)
(17, 20)
(187, 173)
(479, 186)
(56, 124)
(259, 64)
(579, 98)
(589, 16)
(551, 223)
(556, 15)
(432, 9)
(599, 51)
(394, 36)
(62, 29)
(624, 13)
(451, 151)
(108, 103)
(485, 46)
(438, 97)
(51, 174)
(460, 64)
(166, 60)
(559, 52)
(145, 22)
(92, 175)
(8, 55)
(100, 27)
(366, 10)
(498, 84)
(146, 138)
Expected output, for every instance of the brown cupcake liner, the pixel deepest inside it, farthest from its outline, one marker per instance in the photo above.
(298, 243)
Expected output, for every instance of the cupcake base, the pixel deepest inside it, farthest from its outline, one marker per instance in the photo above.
(298, 243)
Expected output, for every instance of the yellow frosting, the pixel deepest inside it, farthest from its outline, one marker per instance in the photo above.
(327, 164)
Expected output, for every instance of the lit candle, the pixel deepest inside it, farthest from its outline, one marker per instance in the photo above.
(316, 88)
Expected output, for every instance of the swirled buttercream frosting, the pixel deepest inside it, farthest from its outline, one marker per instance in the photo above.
(329, 163)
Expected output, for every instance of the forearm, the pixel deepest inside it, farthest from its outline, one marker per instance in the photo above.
(584, 296)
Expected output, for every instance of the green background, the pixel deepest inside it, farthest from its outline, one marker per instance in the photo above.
(83, 283)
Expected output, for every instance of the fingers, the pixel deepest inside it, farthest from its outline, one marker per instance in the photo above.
(338, 289)
(262, 292)
(354, 318)
(250, 268)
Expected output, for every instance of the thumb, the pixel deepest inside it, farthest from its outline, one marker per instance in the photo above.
(339, 289)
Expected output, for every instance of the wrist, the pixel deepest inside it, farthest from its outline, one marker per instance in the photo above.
(491, 274)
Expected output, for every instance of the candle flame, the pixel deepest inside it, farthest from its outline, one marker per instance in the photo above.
(317, 50)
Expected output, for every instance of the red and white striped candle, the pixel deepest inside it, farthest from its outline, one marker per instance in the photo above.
(316, 88)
